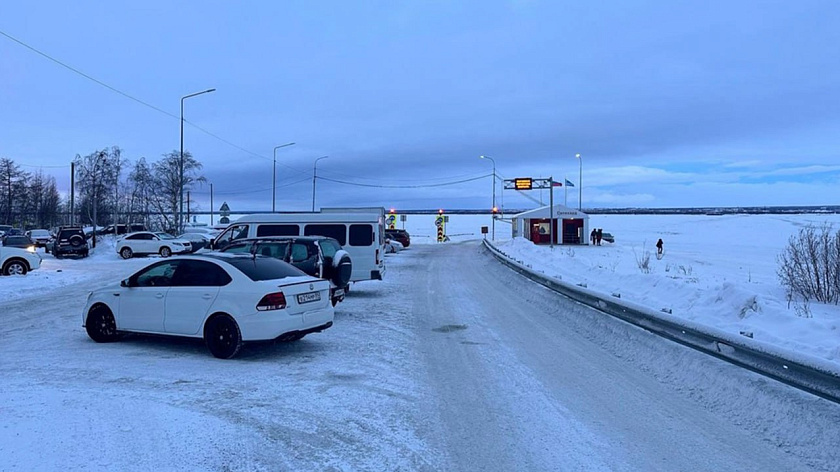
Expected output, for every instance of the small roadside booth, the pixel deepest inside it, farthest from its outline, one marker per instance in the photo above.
(570, 226)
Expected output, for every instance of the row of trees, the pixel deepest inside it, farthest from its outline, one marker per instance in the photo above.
(26, 197)
(109, 189)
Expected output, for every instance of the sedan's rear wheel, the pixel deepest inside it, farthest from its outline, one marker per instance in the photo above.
(15, 267)
(222, 336)
(165, 252)
(100, 325)
(126, 253)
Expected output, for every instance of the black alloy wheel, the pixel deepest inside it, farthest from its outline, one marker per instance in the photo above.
(101, 326)
(222, 336)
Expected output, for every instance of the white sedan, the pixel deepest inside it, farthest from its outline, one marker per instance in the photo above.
(146, 242)
(227, 299)
(16, 261)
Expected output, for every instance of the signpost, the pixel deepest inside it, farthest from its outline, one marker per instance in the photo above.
(440, 222)
(224, 212)
(529, 183)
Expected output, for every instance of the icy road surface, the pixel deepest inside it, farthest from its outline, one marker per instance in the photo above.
(453, 362)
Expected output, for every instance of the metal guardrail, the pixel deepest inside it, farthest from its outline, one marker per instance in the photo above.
(811, 375)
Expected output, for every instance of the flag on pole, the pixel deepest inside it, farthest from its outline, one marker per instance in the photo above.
(557, 184)
(569, 184)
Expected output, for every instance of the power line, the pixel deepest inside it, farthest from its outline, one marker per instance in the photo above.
(66, 66)
(45, 167)
(331, 172)
(240, 192)
(405, 186)
(130, 97)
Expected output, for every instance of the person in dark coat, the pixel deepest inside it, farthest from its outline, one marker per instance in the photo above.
(592, 236)
(659, 246)
(598, 235)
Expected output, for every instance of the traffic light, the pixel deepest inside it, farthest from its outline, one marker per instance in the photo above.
(392, 211)
(440, 212)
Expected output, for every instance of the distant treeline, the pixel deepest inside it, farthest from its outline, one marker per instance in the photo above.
(109, 189)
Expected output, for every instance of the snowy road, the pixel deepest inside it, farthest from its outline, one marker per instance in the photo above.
(452, 363)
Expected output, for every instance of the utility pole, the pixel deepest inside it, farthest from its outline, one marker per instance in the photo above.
(551, 212)
(72, 190)
(211, 204)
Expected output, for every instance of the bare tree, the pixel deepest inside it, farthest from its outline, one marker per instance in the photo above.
(96, 177)
(140, 190)
(810, 265)
(168, 185)
(12, 186)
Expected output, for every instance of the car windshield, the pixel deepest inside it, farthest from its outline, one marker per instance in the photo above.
(40, 233)
(165, 236)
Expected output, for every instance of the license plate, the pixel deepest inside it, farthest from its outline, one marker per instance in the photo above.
(309, 297)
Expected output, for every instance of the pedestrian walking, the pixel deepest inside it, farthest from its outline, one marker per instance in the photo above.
(598, 235)
(592, 236)
(659, 247)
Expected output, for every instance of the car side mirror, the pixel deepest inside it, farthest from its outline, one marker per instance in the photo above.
(125, 283)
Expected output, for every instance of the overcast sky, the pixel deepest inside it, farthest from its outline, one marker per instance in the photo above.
(670, 104)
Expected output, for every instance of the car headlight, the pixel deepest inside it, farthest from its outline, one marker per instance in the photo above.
(30, 248)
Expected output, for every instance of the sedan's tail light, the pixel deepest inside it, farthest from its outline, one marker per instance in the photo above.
(272, 301)
(377, 257)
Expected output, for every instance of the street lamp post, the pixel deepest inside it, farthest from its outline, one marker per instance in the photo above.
(493, 211)
(580, 183)
(274, 175)
(180, 223)
(314, 176)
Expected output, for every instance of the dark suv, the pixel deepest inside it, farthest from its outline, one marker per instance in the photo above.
(399, 235)
(318, 256)
(69, 241)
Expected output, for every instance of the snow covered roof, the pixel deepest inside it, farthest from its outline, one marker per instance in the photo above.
(560, 211)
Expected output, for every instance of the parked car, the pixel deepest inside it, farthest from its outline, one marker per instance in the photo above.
(4, 229)
(18, 241)
(16, 261)
(400, 235)
(69, 241)
(40, 237)
(227, 299)
(392, 246)
(146, 242)
(608, 237)
(360, 232)
(318, 256)
(197, 240)
(122, 228)
(204, 230)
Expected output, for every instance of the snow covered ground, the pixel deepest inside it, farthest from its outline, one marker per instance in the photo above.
(453, 362)
(719, 271)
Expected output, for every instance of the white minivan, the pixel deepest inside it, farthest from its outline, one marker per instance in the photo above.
(361, 234)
